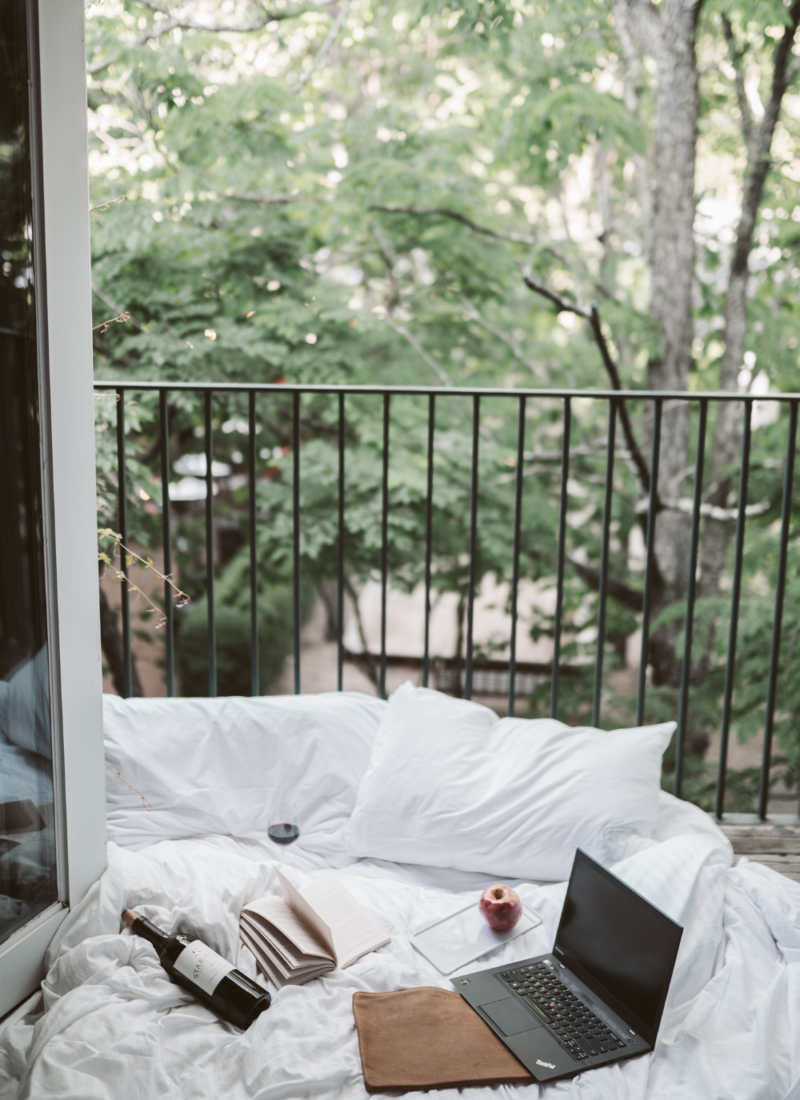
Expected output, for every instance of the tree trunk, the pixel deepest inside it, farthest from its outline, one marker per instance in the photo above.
(459, 653)
(672, 255)
(729, 421)
(668, 34)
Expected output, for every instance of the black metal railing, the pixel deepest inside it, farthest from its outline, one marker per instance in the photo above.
(617, 403)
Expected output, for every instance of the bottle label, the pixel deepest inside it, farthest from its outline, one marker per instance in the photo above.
(202, 966)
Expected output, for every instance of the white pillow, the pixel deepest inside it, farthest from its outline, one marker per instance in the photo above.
(25, 705)
(450, 784)
(218, 765)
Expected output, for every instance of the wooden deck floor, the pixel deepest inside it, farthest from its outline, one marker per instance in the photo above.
(776, 846)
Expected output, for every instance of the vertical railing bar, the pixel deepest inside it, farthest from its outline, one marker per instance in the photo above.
(563, 498)
(562, 543)
(603, 591)
(744, 473)
(647, 597)
(166, 540)
(512, 648)
(384, 542)
(122, 519)
(691, 588)
(473, 544)
(340, 580)
(426, 660)
(296, 535)
(777, 620)
(212, 627)
(251, 488)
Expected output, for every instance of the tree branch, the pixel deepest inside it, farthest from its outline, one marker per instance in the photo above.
(593, 317)
(385, 250)
(628, 597)
(736, 55)
(555, 458)
(566, 305)
(325, 48)
(103, 326)
(761, 153)
(185, 23)
(265, 200)
(759, 162)
(443, 212)
(365, 658)
(475, 315)
(713, 511)
(104, 298)
(438, 370)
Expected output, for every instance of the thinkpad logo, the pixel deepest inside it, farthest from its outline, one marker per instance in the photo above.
(547, 1065)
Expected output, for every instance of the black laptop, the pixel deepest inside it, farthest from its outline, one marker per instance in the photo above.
(599, 996)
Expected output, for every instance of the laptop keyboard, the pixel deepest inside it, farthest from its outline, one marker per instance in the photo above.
(579, 1031)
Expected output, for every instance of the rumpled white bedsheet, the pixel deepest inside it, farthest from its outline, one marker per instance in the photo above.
(116, 1027)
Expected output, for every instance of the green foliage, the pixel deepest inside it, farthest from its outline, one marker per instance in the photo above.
(233, 648)
(366, 222)
(233, 633)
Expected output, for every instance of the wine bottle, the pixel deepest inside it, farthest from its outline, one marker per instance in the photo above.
(205, 974)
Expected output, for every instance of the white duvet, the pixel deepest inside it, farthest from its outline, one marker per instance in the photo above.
(115, 1026)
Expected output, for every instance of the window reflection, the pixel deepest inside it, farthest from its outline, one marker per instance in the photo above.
(27, 843)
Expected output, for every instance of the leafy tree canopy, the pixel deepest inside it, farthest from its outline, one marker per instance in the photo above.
(352, 191)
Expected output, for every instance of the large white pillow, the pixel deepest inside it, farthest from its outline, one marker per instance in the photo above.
(219, 765)
(450, 784)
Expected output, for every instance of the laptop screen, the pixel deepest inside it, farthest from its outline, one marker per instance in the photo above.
(621, 942)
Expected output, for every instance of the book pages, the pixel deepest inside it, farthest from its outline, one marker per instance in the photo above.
(277, 912)
(355, 932)
(278, 973)
(263, 958)
(302, 936)
(307, 915)
(287, 956)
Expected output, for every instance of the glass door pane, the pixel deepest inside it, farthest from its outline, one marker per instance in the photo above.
(27, 827)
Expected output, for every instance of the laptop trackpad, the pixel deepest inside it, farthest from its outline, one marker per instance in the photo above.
(510, 1016)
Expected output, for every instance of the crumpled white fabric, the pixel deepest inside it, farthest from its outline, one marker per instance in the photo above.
(223, 765)
(116, 1027)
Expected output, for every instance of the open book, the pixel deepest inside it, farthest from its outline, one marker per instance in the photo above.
(305, 935)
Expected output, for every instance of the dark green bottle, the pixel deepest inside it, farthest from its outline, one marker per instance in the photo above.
(206, 975)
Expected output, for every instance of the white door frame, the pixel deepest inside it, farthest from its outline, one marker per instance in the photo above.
(67, 416)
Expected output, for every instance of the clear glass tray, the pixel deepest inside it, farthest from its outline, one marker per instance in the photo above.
(464, 936)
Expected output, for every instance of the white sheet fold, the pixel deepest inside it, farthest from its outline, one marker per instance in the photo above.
(116, 1027)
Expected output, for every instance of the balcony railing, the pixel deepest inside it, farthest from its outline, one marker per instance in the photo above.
(519, 405)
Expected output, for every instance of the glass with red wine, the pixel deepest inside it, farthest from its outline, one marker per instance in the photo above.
(284, 828)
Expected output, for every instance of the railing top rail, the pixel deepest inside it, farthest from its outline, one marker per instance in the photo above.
(457, 391)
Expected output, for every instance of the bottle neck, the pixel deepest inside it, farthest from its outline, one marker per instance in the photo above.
(143, 927)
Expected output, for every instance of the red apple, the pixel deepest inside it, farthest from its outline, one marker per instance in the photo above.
(500, 906)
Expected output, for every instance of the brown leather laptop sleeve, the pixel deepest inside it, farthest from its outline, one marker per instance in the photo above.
(429, 1038)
